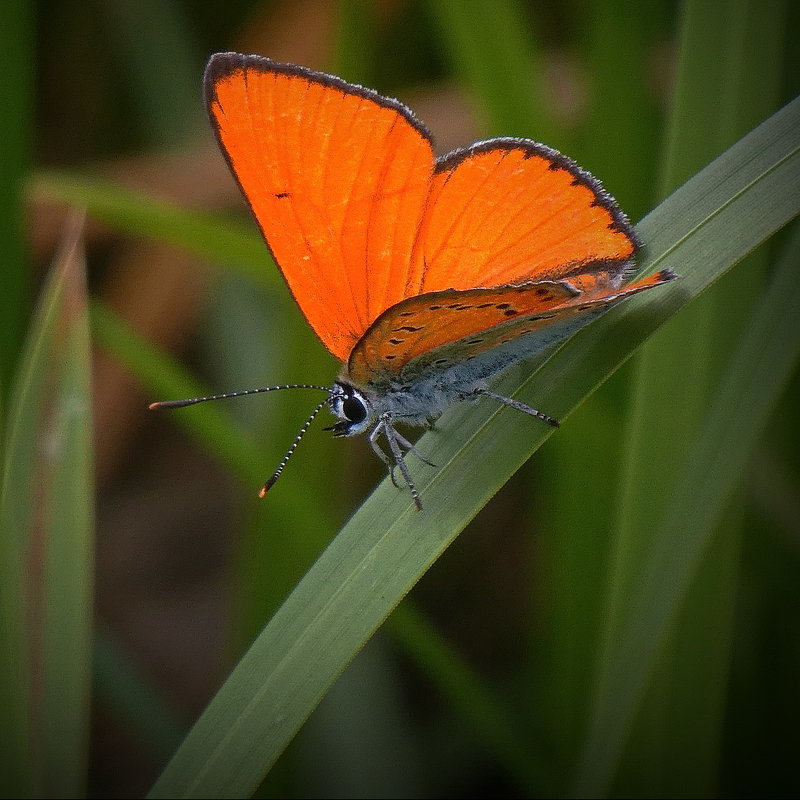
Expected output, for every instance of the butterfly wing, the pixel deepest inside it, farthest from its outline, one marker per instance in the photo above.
(509, 211)
(517, 248)
(337, 178)
(439, 331)
(366, 228)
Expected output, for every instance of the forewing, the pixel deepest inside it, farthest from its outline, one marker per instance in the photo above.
(507, 211)
(337, 178)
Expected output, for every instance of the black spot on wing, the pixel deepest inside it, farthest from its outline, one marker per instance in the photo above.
(507, 309)
(546, 315)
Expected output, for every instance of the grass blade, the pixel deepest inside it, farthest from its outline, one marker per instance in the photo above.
(673, 746)
(69, 547)
(477, 703)
(210, 423)
(617, 139)
(222, 241)
(759, 369)
(47, 516)
(16, 100)
(705, 227)
(494, 55)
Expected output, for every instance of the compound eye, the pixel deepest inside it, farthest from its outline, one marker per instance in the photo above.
(353, 409)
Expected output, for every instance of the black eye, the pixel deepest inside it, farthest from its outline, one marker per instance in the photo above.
(354, 409)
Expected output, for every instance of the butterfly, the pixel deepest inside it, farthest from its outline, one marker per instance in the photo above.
(425, 276)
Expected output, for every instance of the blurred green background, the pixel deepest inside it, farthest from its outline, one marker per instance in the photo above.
(486, 680)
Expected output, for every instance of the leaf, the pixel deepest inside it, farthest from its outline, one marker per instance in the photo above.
(705, 227)
(47, 525)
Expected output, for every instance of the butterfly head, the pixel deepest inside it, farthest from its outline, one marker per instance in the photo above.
(352, 408)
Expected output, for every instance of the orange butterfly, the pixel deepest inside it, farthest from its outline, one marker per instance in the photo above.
(425, 276)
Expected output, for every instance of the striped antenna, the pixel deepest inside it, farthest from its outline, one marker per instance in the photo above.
(191, 401)
(292, 447)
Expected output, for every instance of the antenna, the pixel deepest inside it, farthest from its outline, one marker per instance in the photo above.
(296, 441)
(292, 447)
(191, 401)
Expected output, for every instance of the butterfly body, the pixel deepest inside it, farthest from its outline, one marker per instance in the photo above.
(426, 277)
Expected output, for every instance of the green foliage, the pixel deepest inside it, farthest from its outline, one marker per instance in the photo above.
(652, 565)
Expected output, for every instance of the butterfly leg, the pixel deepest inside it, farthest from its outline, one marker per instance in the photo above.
(376, 448)
(403, 442)
(394, 439)
(509, 401)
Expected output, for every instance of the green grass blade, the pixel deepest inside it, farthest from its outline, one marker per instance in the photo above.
(16, 133)
(356, 51)
(617, 140)
(123, 690)
(69, 547)
(758, 371)
(705, 227)
(222, 241)
(47, 528)
(674, 744)
(494, 54)
(209, 422)
(477, 704)
(154, 39)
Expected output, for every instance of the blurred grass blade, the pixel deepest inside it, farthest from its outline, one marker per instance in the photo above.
(356, 41)
(705, 227)
(222, 241)
(491, 720)
(673, 745)
(210, 423)
(16, 133)
(620, 129)
(769, 349)
(154, 38)
(493, 52)
(127, 693)
(619, 132)
(68, 490)
(47, 527)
